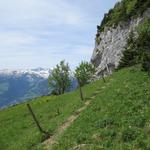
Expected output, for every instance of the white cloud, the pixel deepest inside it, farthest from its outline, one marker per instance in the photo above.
(32, 12)
(14, 39)
(83, 50)
(40, 33)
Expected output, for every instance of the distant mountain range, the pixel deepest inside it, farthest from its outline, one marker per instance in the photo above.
(19, 85)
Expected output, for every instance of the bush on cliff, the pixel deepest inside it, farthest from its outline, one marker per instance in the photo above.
(137, 50)
(143, 43)
(124, 11)
(130, 54)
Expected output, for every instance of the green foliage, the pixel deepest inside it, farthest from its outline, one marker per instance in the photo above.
(84, 72)
(98, 40)
(117, 119)
(129, 135)
(130, 54)
(110, 133)
(17, 128)
(107, 122)
(59, 79)
(81, 138)
(146, 61)
(124, 11)
(137, 49)
(124, 102)
(139, 121)
(143, 43)
(131, 7)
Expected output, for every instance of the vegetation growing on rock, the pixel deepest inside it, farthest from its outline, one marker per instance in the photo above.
(124, 11)
(137, 50)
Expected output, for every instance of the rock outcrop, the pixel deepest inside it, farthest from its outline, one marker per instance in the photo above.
(110, 44)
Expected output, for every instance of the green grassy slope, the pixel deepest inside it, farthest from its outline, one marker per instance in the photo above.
(118, 119)
(17, 129)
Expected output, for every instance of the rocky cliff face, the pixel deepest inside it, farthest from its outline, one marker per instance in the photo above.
(110, 44)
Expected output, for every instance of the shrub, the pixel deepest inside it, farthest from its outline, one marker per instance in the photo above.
(108, 133)
(130, 54)
(124, 11)
(105, 123)
(137, 49)
(146, 61)
(81, 138)
(129, 135)
(139, 122)
(143, 43)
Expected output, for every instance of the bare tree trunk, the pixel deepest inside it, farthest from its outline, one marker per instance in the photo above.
(35, 119)
(80, 89)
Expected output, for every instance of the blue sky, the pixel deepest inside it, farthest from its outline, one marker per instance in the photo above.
(40, 33)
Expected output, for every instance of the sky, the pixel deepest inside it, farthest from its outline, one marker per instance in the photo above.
(41, 33)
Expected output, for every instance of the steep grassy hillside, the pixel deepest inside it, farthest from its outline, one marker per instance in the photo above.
(17, 129)
(118, 118)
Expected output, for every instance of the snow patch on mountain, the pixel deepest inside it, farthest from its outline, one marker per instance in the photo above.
(40, 72)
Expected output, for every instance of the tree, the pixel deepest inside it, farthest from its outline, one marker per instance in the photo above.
(130, 54)
(59, 79)
(137, 50)
(84, 72)
(143, 44)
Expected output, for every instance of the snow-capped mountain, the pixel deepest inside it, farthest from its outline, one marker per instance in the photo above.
(19, 85)
(41, 72)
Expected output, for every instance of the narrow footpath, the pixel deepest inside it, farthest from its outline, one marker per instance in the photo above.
(53, 139)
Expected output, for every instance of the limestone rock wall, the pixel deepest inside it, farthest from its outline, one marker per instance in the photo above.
(110, 44)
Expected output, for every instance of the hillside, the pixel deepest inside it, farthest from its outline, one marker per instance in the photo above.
(117, 118)
(115, 112)
(17, 86)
